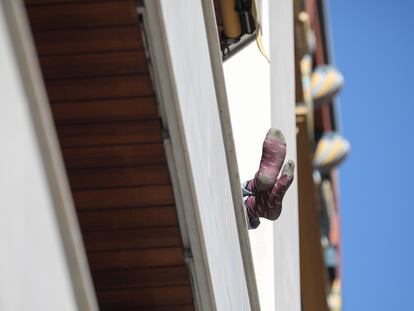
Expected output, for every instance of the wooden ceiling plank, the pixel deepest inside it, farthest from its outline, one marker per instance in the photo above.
(92, 40)
(81, 179)
(99, 88)
(119, 133)
(187, 307)
(44, 2)
(151, 277)
(78, 15)
(114, 156)
(132, 239)
(114, 219)
(147, 296)
(137, 108)
(124, 197)
(93, 65)
(140, 258)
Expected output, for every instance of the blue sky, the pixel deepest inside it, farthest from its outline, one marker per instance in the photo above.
(374, 48)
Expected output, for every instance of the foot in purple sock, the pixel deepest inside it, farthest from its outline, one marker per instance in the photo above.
(273, 156)
(268, 204)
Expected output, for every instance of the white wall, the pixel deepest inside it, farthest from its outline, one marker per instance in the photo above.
(204, 150)
(261, 95)
(33, 270)
(248, 88)
(286, 229)
(43, 265)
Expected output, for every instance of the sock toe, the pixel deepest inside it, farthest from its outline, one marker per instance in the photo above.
(277, 134)
(289, 168)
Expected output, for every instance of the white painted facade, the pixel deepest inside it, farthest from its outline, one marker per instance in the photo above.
(261, 95)
(39, 234)
(42, 262)
(33, 269)
(253, 104)
(192, 117)
(248, 88)
(282, 81)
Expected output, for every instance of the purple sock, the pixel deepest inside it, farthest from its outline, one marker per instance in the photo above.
(273, 156)
(268, 204)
